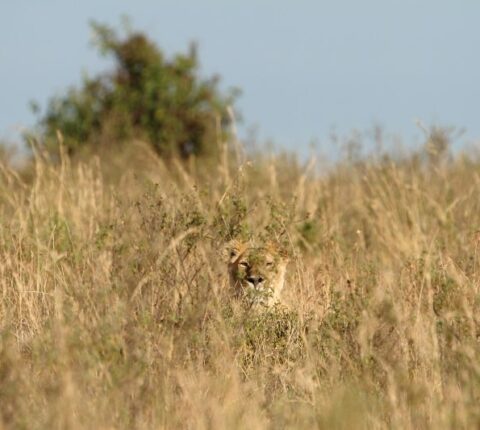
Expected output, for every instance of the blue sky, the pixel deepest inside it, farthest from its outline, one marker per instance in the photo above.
(305, 67)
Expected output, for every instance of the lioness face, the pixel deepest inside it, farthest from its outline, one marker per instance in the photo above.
(256, 272)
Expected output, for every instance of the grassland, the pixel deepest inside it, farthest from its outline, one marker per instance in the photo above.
(115, 312)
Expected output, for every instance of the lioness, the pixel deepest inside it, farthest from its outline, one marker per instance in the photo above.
(257, 273)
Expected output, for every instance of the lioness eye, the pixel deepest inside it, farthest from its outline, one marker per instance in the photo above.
(243, 264)
(269, 263)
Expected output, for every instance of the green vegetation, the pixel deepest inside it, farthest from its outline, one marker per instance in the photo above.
(147, 96)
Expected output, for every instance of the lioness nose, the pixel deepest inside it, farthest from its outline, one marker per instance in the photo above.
(255, 280)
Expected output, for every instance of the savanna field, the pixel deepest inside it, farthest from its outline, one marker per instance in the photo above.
(116, 310)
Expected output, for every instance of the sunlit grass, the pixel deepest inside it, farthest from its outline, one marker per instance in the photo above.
(115, 309)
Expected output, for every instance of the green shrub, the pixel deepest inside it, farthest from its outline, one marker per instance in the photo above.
(146, 96)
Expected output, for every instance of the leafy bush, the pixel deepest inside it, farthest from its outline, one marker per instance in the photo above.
(147, 96)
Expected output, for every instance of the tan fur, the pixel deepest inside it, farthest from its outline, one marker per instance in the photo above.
(257, 272)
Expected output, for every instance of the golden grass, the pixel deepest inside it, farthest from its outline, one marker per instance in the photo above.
(115, 311)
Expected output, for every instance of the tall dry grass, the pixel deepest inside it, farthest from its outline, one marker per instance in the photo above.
(115, 310)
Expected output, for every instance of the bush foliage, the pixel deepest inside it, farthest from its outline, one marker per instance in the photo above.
(146, 96)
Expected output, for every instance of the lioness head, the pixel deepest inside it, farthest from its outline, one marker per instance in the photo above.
(256, 272)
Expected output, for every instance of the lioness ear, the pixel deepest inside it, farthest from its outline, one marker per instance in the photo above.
(231, 250)
(279, 250)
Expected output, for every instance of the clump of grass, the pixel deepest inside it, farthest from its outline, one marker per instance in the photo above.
(116, 312)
